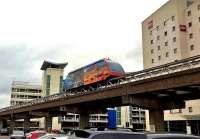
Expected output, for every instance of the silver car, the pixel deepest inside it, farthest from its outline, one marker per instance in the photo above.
(17, 134)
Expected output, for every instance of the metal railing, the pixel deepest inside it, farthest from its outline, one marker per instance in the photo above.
(177, 66)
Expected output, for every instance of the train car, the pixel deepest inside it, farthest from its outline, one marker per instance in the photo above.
(95, 72)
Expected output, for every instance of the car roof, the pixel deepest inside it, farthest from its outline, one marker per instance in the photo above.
(90, 133)
(163, 135)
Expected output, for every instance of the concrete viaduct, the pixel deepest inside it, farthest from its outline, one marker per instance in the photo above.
(162, 88)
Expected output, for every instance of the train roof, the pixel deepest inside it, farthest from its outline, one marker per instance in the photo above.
(89, 65)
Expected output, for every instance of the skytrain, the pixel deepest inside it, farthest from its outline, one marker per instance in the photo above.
(98, 71)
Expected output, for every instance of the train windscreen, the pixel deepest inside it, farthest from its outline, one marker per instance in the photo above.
(115, 67)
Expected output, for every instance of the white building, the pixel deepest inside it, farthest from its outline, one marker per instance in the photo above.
(52, 83)
(131, 117)
(23, 92)
(172, 33)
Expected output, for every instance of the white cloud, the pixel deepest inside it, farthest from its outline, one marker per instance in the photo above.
(4, 100)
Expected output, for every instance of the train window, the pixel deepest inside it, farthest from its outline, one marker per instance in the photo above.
(90, 68)
(86, 69)
(100, 64)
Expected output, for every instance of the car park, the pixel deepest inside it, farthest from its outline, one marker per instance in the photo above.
(88, 134)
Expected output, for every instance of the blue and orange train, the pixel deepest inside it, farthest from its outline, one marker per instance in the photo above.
(98, 71)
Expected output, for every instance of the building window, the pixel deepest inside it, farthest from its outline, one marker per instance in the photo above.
(191, 47)
(166, 43)
(159, 58)
(61, 84)
(157, 28)
(191, 35)
(174, 39)
(119, 115)
(173, 18)
(175, 50)
(190, 109)
(158, 47)
(190, 24)
(48, 81)
(164, 23)
(173, 28)
(198, 7)
(152, 60)
(151, 51)
(167, 54)
(175, 111)
(199, 19)
(150, 32)
(158, 37)
(151, 41)
(165, 33)
(189, 13)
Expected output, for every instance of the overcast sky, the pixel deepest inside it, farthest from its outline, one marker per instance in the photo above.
(75, 31)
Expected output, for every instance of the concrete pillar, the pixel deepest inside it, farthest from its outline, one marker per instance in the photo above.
(56, 124)
(188, 128)
(48, 124)
(84, 120)
(27, 124)
(156, 120)
(1, 124)
(168, 126)
(12, 125)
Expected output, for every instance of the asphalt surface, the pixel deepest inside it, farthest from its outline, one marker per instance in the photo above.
(4, 137)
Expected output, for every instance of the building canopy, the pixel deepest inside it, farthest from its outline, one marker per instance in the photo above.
(48, 64)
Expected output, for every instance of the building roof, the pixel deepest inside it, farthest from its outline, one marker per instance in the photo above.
(27, 85)
(48, 64)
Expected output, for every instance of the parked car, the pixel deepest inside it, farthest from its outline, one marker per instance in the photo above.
(54, 136)
(47, 136)
(4, 131)
(35, 134)
(64, 137)
(17, 134)
(88, 134)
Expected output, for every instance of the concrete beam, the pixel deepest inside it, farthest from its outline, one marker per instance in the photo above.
(39, 113)
(140, 102)
(152, 103)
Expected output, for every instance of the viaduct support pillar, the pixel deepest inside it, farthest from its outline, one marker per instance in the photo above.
(27, 124)
(1, 124)
(48, 124)
(83, 120)
(12, 125)
(156, 120)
